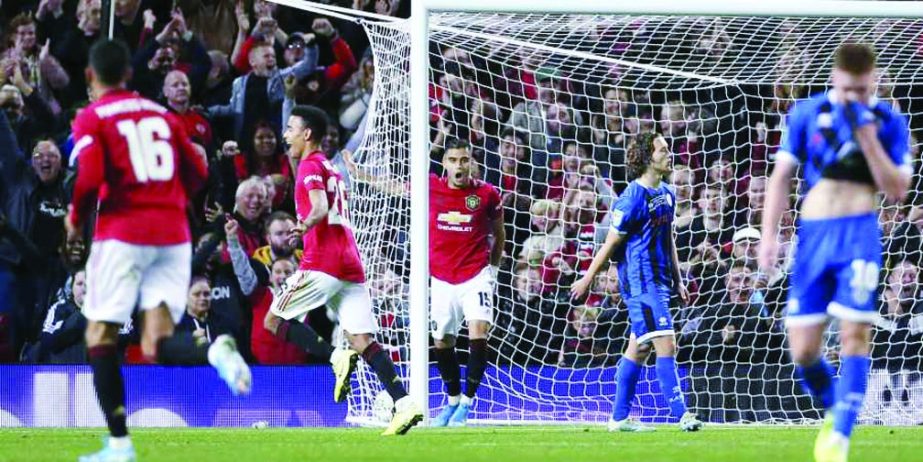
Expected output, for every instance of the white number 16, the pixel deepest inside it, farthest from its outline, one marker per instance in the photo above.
(149, 148)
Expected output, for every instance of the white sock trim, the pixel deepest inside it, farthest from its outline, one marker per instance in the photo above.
(466, 400)
(454, 400)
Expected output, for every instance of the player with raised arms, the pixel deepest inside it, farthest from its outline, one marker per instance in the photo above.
(136, 169)
(849, 146)
(641, 236)
(330, 273)
(465, 247)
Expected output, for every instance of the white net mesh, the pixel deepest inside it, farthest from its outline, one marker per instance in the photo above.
(549, 102)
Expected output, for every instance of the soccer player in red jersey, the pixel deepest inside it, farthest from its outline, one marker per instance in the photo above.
(136, 168)
(464, 214)
(331, 274)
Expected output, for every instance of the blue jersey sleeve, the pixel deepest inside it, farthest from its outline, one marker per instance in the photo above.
(794, 137)
(895, 139)
(624, 212)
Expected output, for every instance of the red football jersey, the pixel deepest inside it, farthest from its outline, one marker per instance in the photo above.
(460, 221)
(329, 246)
(135, 162)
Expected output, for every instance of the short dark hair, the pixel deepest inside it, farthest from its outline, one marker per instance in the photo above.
(640, 151)
(456, 143)
(314, 118)
(855, 58)
(278, 215)
(110, 60)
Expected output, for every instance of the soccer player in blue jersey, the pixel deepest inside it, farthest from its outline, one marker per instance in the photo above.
(849, 147)
(641, 235)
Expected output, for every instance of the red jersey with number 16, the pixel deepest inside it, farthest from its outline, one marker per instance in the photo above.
(460, 221)
(135, 161)
(329, 246)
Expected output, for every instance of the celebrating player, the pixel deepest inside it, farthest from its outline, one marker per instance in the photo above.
(137, 163)
(330, 274)
(463, 214)
(642, 234)
(850, 146)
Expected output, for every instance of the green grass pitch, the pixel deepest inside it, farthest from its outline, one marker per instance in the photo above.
(495, 444)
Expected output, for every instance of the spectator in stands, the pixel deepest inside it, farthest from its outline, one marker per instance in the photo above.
(357, 94)
(722, 339)
(745, 245)
(174, 48)
(41, 70)
(548, 234)
(252, 203)
(29, 115)
(73, 50)
(178, 94)
(710, 225)
(750, 211)
(584, 346)
(262, 157)
(528, 117)
(214, 22)
(906, 239)
(212, 260)
(674, 125)
(61, 340)
(35, 202)
(258, 95)
(683, 182)
(322, 87)
(897, 341)
(199, 317)
(278, 229)
(528, 324)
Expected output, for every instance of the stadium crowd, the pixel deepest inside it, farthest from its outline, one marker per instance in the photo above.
(551, 142)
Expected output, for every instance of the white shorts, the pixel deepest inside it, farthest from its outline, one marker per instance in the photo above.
(471, 300)
(123, 276)
(308, 290)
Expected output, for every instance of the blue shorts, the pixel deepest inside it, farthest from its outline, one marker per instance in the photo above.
(835, 272)
(650, 316)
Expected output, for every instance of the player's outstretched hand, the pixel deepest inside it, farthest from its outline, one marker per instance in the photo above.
(580, 288)
(350, 163)
(683, 294)
(769, 253)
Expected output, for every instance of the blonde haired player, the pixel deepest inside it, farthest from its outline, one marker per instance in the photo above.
(849, 146)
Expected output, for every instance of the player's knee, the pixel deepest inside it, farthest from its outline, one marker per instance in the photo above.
(804, 356)
(854, 338)
(100, 333)
(478, 329)
(665, 347)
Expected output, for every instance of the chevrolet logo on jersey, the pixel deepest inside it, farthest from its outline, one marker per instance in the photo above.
(454, 218)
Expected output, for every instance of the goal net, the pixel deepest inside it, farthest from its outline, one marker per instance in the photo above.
(549, 102)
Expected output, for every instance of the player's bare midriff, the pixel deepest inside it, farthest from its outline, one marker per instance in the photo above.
(838, 198)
